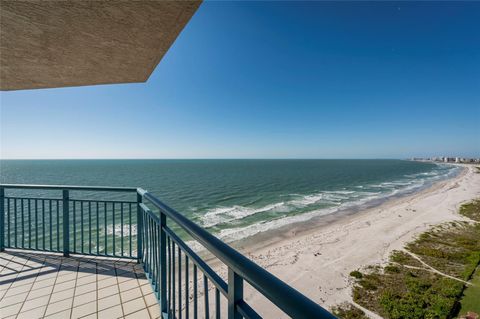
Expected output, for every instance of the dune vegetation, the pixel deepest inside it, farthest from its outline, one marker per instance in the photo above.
(430, 278)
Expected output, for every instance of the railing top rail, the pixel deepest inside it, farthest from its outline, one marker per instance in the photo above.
(70, 187)
(292, 302)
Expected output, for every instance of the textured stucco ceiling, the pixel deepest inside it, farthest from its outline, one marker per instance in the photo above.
(47, 44)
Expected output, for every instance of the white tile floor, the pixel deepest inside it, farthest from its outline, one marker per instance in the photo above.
(40, 285)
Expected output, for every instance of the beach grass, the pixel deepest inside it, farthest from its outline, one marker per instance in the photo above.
(471, 210)
(427, 279)
(471, 296)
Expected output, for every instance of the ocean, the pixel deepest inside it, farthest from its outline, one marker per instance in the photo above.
(235, 199)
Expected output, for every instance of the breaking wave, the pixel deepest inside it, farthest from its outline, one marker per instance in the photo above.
(284, 212)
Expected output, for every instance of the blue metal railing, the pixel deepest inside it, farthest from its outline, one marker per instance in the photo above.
(69, 225)
(185, 285)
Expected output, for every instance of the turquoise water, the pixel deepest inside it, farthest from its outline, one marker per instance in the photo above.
(238, 198)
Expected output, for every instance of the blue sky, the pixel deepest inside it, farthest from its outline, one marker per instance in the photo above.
(277, 80)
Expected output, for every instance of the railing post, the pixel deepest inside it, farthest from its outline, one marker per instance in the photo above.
(163, 265)
(235, 293)
(2, 219)
(139, 228)
(66, 223)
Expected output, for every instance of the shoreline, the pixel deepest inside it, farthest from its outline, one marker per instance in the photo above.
(316, 256)
(302, 228)
(245, 236)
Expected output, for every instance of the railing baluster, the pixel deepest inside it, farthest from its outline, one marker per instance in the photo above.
(143, 237)
(36, 224)
(217, 303)
(150, 243)
(121, 230)
(29, 225)
(139, 228)
(15, 222)
(147, 242)
(155, 258)
(195, 297)
(173, 279)
(43, 224)
(58, 225)
(98, 228)
(158, 254)
(154, 253)
(8, 223)
(51, 222)
(169, 276)
(130, 229)
(152, 248)
(105, 226)
(187, 290)
(66, 223)
(90, 227)
(113, 229)
(81, 227)
(74, 226)
(23, 223)
(179, 283)
(163, 265)
(235, 294)
(2, 218)
(205, 296)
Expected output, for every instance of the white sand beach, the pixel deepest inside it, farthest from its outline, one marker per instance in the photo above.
(318, 261)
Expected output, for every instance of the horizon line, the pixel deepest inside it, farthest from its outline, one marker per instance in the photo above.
(211, 158)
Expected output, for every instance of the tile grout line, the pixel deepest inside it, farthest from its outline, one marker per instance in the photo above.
(7, 261)
(30, 290)
(74, 289)
(119, 291)
(23, 302)
(88, 293)
(13, 281)
(51, 293)
(141, 292)
(10, 287)
(121, 269)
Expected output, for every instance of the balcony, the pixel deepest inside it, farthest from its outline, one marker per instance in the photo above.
(75, 251)
(37, 284)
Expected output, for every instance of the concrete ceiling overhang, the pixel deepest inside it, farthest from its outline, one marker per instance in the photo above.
(46, 44)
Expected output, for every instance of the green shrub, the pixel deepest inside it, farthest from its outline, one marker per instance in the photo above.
(368, 284)
(471, 210)
(392, 268)
(402, 307)
(348, 311)
(356, 274)
(398, 256)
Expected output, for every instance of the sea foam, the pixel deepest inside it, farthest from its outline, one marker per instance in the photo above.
(332, 201)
